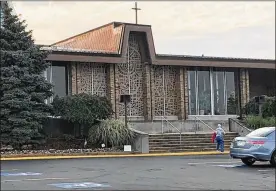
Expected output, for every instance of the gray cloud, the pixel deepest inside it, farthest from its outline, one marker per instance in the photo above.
(238, 29)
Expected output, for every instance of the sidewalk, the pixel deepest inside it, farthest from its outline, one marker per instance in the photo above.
(102, 155)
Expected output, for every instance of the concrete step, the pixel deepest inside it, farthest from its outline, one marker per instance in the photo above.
(187, 149)
(164, 144)
(170, 142)
(185, 146)
(189, 136)
(186, 139)
(184, 150)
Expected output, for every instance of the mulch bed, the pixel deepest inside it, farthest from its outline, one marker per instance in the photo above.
(60, 147)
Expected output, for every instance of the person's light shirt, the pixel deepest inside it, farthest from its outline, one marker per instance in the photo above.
(220, 132)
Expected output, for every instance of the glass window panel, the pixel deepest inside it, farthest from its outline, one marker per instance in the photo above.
(204, 93)
(59, 80)
(48, 76)
(232, 101)
(219, 93)
(192, 92)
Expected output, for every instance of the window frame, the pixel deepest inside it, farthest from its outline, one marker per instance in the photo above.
(211, 74)
(52, 64)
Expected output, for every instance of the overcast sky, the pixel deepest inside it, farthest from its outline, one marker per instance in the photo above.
(229, 29)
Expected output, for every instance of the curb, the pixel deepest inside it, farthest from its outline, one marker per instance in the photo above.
(108, 155)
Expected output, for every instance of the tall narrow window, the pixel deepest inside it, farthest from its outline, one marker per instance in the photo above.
(212, 92)
(59, 80)
(231, 97)
(192, 92)
(204, 92)
(219, 93)
(57, 75)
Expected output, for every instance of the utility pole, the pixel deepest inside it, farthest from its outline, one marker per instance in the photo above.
(136, 12)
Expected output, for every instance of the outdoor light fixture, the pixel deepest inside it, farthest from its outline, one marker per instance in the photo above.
(125, 98)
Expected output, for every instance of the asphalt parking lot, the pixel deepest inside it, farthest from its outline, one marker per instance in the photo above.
(140, 173)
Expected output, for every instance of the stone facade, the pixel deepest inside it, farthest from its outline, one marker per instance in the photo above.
(166, 80)
(130, 80)
(147, 83)
(150, 96)
(244, 83)
(89, 78)
(111, 88)
(156, 91)
(183, 98)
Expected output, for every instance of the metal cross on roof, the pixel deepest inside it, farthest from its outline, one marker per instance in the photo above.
(136, 12)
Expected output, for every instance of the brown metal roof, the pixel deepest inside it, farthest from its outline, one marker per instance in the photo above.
(104, 39)
(108, 44)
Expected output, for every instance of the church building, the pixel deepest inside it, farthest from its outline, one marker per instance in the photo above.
(119, 58)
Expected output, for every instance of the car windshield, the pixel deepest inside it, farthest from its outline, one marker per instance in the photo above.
(262, 132)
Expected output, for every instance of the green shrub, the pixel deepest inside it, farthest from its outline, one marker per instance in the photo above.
(82, 108)
(255, 122)
(110, 132)
(251, 108)
(268, 108)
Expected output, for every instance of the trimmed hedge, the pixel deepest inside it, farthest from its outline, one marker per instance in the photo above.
(255, 122)
(82, 108)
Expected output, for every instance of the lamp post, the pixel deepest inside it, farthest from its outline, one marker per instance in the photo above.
(125, 98)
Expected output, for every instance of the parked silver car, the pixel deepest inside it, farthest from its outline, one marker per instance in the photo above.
(259, 145)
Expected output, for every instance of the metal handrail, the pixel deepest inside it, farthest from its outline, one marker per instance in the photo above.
(242, 127)
(180, 134)
(240, 124)
(197, 119)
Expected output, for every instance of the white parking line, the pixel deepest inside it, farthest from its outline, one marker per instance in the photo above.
(264, 170)
(35, 179)
(11, 180)
(225, 162)
(229, 166)
(9, 170)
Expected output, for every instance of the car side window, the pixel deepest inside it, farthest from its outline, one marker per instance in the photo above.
(271, 136)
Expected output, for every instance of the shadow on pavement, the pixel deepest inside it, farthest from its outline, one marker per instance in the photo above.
(263, 166)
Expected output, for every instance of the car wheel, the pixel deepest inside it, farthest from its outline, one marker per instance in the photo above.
(273, 159)
(248, 161)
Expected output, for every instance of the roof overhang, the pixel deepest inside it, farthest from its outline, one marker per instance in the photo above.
(216, 62)
(173, 60)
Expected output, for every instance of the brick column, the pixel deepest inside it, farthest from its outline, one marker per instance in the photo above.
(181, 94)
(116, 91)
(147, 92)
(69, 78)
(244, 83)
(74, 78)
(186, 92)
(111, 86)
(78, 81)
(152, 86)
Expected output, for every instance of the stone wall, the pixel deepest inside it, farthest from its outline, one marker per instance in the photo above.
(129, 79)
(151, 87)
(89, 78)
(147, 90)
(165, 91)
(244, 83)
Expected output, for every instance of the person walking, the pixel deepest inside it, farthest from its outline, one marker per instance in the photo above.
(220, 138)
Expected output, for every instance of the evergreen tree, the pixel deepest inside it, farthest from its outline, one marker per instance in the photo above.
(23, 87)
